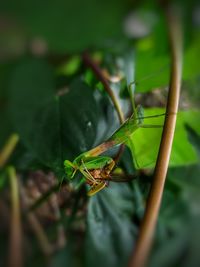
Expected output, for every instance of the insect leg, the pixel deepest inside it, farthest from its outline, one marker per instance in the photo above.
(96, 185)
(88, 174)
(96, 188)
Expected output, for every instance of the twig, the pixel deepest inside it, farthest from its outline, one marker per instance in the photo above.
(145, 238)
(15, 251)
(44, 197)
(89, 62)
(40, 234)
(8, 149)
(61, 239)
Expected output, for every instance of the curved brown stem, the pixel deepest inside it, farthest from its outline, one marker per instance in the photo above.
(89, 62)
(145, 238)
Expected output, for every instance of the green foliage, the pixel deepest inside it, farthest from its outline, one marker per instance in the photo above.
(68, 25)
(183, 152)
(191, 66)
(177, 236)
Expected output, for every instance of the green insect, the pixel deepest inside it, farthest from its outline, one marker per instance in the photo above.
(96, 169)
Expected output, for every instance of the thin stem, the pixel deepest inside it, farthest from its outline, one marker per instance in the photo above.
(61, 239)
(40, 234)
(15, 251)
(88, 61)
(44, 197)
(145, 238)
(8, 149)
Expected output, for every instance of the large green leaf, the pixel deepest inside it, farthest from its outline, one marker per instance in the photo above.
(68, 26)
(110, 232)
(144, 142)
(54, 125)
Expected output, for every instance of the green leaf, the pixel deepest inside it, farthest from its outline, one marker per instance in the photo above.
(187, 179)
(53, 125)
(144, 143)
(110, 232)
(183, 152)
(70, 67)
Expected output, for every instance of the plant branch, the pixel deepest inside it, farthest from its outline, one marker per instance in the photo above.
(89, 62)
(145, 238)
(15, 251)
(8, 149)
(36, 226)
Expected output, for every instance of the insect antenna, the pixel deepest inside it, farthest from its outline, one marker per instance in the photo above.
(156, 116)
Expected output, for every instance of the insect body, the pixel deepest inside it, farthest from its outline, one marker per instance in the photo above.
(122, 134)
(96, 169)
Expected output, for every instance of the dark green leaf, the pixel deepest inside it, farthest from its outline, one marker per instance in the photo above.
(53, 125)
(110, 232)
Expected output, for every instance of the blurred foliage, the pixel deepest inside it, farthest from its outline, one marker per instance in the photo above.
(68, 26)
(60, 109)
